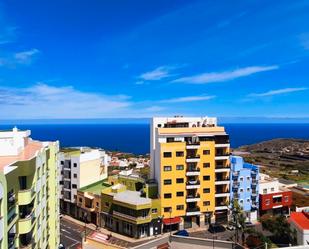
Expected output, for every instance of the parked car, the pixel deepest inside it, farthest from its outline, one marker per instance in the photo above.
(216, 228)
(182, 233)
(249, 224)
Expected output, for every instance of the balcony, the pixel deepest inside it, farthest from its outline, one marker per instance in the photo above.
(25, 197)
(192, 158)
(193, 184)
(11, 201)
(222, 181)
(222, 168)
(192, 145)
(193, 198)
(12, 240)
(190, 211)
(138, 219)
(12, 216)
(25, 224)
(193, 171)
(222, 193)
(222, 144)
(221, 207)
(222, 156)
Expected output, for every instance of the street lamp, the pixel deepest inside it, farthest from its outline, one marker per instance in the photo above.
(85, 219)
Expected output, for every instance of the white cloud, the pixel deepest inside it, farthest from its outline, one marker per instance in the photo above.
(277, 92)
(44, 101)
(224, 76)
(157, 74)
(25, 57)
(154, 108)
(187, 99)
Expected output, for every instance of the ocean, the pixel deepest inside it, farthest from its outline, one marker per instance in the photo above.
(134, 138)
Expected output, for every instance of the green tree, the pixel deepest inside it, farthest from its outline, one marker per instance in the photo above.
(239, 219)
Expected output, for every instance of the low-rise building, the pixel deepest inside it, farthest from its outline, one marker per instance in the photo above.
(244, 188)
(79, 167)
(130, 207)
(273, 198)
(299, 222)
(29, 203)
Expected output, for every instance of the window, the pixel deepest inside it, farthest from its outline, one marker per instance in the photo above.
(206, 165)
(241, 179)
(74, 165)
(267, 202)
(179, 180)
(180, 207)
(241, 201)
(167, 209)
(74, 197)
(80, 200)
(241, 190)
(179, 193)
(154, 210)
(168, 196)
(61, 182)
(167, 154)
(167, 182)
(206, 152)
(248, 189)
(265, 191)
(206, 190)
(206, 178)
(74, 186)
(206, 203)
(97, 204)
(167, 168)
(248, 178)
(62, 162)
(179, 167)
(272, 189)
(286, 198)
(179, 153)
(107, 204)
(248, 200)
(170, 139)
(159, 125)
(75, 175)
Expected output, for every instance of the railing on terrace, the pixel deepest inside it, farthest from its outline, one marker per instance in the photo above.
(193, 209)
(193, 156)
(193, 196)
(197, 182)
(193, 169)
(130, 217)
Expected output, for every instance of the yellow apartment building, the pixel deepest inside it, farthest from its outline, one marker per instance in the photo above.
(190, 161)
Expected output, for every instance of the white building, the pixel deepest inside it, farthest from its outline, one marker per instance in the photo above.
(79, 167)
(299, 222)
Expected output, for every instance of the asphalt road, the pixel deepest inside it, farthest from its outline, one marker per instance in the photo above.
(70, 234)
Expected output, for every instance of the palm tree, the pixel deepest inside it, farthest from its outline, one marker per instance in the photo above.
(239, 220)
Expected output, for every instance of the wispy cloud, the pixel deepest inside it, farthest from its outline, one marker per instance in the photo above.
(187, 99)
(159, 73)
(26, 57)
(224, 76)
(277, 92)
(45, 101)
(19, 58)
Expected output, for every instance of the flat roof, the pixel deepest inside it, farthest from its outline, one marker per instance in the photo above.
(301, 219)
(27, 153)
(95, 187)
(131, 197)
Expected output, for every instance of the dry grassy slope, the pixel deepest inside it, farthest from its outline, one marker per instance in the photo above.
(278, 157)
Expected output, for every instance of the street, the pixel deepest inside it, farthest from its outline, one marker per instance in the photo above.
(70, 234)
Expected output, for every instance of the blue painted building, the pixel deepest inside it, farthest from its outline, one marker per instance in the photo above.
(244, 186)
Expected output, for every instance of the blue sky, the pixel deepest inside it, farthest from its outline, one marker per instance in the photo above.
(99, 59)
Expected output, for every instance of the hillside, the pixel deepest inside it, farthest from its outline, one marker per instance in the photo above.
(285, 158)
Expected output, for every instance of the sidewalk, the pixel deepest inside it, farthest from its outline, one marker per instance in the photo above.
(107, 232)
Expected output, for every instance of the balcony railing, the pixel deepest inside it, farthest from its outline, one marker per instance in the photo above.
(130, 217)
(196, 182)
(193, 196)
(220, 166)
(197, 169)
(219, 179)
(193, 156)
(220, 191)
(192, 209)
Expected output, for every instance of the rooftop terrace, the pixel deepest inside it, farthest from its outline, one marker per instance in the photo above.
(95, 188)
